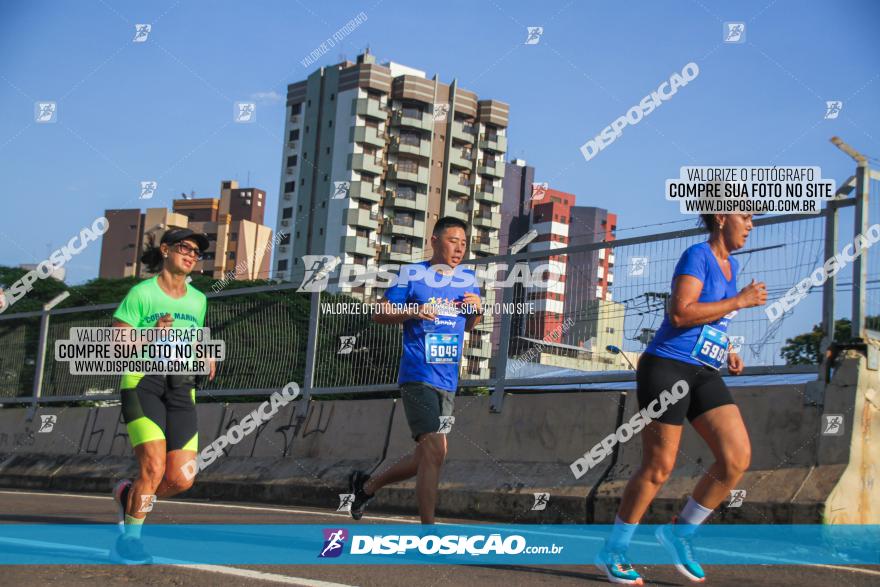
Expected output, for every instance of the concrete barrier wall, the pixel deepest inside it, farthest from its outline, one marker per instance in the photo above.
(783, 433)
(496, 462)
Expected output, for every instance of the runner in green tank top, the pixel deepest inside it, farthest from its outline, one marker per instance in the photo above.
(159, 410)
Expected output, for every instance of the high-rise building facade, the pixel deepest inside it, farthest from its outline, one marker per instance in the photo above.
(240, 244)
(375, 154)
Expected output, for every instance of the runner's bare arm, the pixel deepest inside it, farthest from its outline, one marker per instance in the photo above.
(685, 311)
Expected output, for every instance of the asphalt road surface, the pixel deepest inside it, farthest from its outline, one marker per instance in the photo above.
(33, 507)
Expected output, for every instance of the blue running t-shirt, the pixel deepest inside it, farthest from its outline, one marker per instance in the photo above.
(699, 261)
(432, 350)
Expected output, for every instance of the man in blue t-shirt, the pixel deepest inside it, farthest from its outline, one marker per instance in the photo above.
(436, 302)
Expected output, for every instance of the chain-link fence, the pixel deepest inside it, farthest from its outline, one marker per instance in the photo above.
(607, 302)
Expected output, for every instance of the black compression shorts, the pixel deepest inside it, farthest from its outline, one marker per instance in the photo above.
(707, 389)
(162, 407)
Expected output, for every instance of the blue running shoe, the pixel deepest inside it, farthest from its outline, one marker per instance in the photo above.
(616, 567)
(682, 552)
(130, 551)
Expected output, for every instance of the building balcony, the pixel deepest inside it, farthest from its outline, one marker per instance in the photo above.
(414, 119)
(484, 244)
(365, 191)
(409, 173)
(400, 253)
(416, 202)
(368, 135)
(493, 142)
(368, 107)
(460, 211)
(368, 163)
(398, 227)
(363, 218)
(491, 168)
(461, 159)
(459, 186)
(487, 219)
(359, 245)
(493, 195)
(464, 132)
(420, 149)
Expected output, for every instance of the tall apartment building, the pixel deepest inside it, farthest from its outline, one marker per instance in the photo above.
(239, 241)
(550, 218)
(592, 275)
(374, 155)
(408, 149)
(516, 208)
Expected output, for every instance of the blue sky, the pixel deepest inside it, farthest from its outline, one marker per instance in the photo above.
(163, 109)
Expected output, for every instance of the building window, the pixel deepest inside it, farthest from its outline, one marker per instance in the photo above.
(289, 187)
(286, 213)
(296, 108)
(609, 330)
(294, 135)
(320, 231)
(308, 103)
(328, 150)
(299, 208)
(291, 161)
(282, 265)
(332, 97)
(307, 129)
(232, 255)
(330, 124)
(233, 236)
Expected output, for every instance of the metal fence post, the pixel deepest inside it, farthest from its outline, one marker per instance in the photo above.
(496, 400)
(860, 265)
(831, 282)
(311, 350)
(41, 362)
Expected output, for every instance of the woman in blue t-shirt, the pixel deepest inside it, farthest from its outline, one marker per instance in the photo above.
(679, 377)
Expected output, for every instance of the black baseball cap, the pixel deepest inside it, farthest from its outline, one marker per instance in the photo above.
(175, 235)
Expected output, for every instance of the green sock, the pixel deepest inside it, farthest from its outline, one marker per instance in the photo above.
(133, 526)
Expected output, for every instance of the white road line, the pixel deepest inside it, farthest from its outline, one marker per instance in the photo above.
(100, 553)
(770, 560)
(222, 505)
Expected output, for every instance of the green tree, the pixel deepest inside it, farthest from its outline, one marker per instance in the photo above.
(803, 349)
